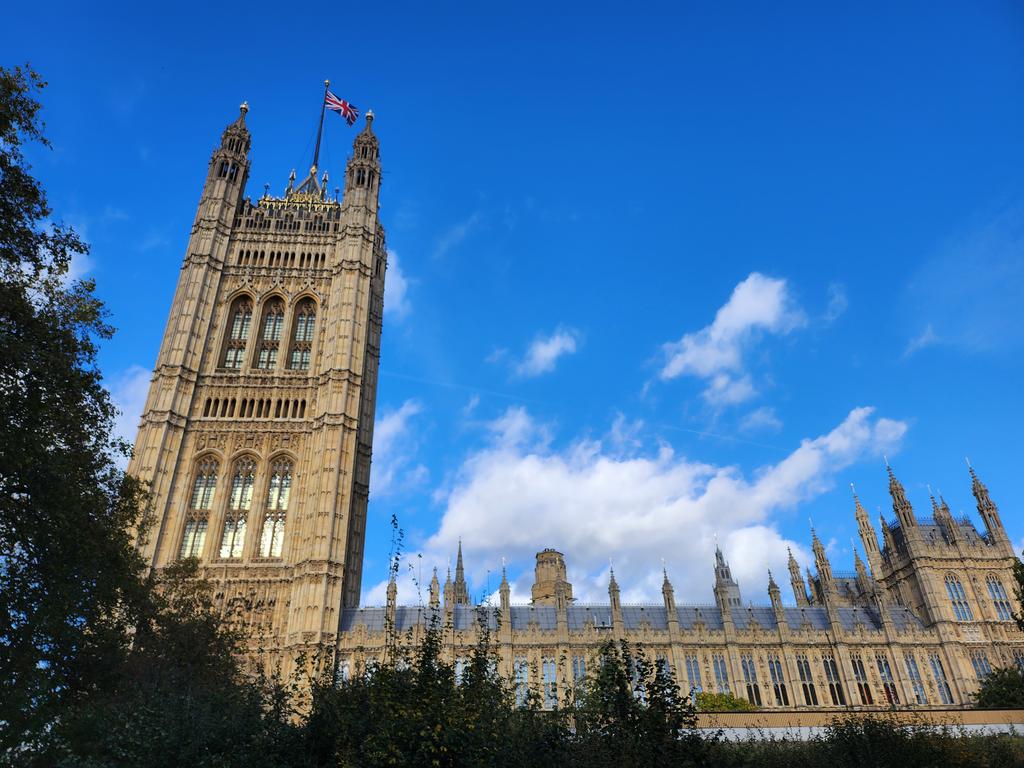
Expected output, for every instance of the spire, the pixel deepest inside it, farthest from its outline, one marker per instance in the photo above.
(826, 584)
(727, 591)
(900, 504)
(667, 592)
(613, 590)
(867, 536)
(449, 590)
(229, 170)
(774, 594)
(461, 592)
(797, 581)
(435, 590)
(986, 507)
(503, 589)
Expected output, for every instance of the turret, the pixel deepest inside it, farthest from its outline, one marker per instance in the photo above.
(504, 592)
(864, 581)
(900, 504)
(668, 594)
(825, 581)
(987, 509)
(618, 625)
(727, 591)
(449, 592)
(389, 611)
(774, 594)
(362, 174)
(228, 172)
(550, 585)
(943, 518)
(867, 537)
(461, 592)
(797, 581)
(435, 591)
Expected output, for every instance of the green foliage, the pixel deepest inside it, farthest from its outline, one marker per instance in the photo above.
(722, 702)
(1002, 689)
(1018, 589)
(69, 575)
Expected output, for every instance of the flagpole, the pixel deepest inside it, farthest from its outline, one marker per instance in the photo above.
(320, 130)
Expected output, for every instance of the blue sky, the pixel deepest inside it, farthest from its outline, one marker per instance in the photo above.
(659, 273)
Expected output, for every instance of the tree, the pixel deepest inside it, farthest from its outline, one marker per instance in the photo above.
(1003, 688)
(1018, 577)
(69, 575)
(722, 702)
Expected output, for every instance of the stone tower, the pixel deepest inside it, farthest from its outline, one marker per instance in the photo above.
(258, 426)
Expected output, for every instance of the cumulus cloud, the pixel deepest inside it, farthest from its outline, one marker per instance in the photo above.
(394, 468)
(128, 390)
(597, 498)
(543, 353)
(396, 290)
(759, 305)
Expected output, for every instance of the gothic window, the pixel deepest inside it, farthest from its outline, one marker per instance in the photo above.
(239, 320)
(835, 686)
(693, 674)
(521, 671)
(982, 668)
(278, 493)
(579, 669)
(914, 675)
(860, 677)
(999, 599)
(550, 682)
(721, 672)
(232, 542)
(750, 679)
(342, 672)
(270, 334)
(778, 681)
(203, 487)
(1018, 659)
(803, 666)
(892, 694)
(945, 694)
(302, 336)
(958, 599)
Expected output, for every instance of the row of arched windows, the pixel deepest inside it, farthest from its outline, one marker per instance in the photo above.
(227, 170)
(254, 408)
(238, 508)
(236, 353)
(962, 608)
(300, 259)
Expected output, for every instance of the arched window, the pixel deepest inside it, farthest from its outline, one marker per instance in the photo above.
(892, 694)
(778, 680)
(998, 594)
(278, 494)
(232, 542)
(835, 685)
(239, 321)
(958, 599)
(750, 679)
(982, 667)
(203, 487)
(803, 666)
(270, 334)
(860, 676)
(302, 336)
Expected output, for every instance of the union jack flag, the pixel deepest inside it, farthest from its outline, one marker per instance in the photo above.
(348, 111)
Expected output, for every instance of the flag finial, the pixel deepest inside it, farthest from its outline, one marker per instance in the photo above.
(243, 107)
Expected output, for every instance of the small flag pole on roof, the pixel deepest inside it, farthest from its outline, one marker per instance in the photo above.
(320, 130)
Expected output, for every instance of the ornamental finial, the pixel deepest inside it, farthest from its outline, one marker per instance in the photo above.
(243, 107)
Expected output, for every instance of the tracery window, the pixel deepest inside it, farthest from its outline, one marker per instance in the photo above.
(999, 599)
(197, 518)
(232, 542)
(750, 679)
(778, 681)
(945, 694)
(239, 321)
(914, 674)
(835, 686)
(721, 672)
(579, 669)
(982, 668)
(892, 694)
(550, 682)
(958, 599)
(302, 337)
(521, 671)
(693, 674)
(860, 677)
(278, 495)
(803, 666)
(270, 334)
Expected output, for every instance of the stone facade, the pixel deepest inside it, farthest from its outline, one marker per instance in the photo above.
(918, 625)
(256, 440)
(257, 429)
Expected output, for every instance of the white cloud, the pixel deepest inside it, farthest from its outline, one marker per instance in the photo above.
(543, 353)
(837, 302)
(927, 338)
(455, 235)
(762, 420)
(128, 390)
(598, 498)
(757, 306)
(394, 468)
(396, 290)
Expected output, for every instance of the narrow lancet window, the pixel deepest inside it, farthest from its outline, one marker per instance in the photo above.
(203, 487)
(270, 334)
(233, 541)
(239, 321)
(302, 337)
(278, 494)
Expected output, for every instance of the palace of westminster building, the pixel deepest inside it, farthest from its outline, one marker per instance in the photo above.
(256, 440)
